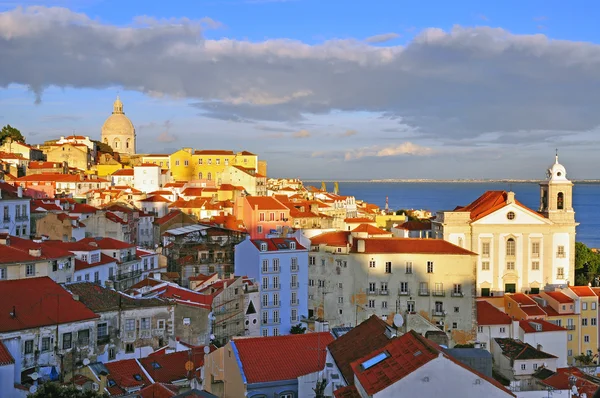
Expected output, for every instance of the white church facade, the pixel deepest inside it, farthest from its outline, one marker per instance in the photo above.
(520, 249)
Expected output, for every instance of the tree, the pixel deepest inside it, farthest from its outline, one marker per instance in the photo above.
(55, 390)
(587, 264)
(297, 329)
(10, 131)
(319, 389)
(584, 359)
(102, 147)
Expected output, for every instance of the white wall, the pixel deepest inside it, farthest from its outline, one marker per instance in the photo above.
(147, 178)
(554, 343)
(442, 378)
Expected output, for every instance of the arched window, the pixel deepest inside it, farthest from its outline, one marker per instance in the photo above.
(560, 201)
(127, 143)
(510, 247)
(117, 144)
(200, 175)
(209, 176)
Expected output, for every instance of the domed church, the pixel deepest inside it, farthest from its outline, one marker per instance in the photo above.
(118, 131)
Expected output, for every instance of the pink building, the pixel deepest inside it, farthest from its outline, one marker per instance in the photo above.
(264, 215)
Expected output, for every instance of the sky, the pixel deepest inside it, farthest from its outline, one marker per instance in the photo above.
(321, 89)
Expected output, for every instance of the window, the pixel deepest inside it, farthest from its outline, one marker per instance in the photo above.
(584, 306)
(265, 300)
(312, 260)
(275, 265)
(560, 273)
(129, 348)
(372, 287)
(372, 264)
(199, 161)
(485, 265)
(311, 282)
(83, 337)
(456, 309)
(560, 252)
(67, 339)
(265, 332)
(87, 277)
(271, 216)
(454, 325)
(586, 339)
(479, 329)
(2, 273)
(510, 265)
(145, 323)
(403, 287)
(593, 305)
(523, 366)
(384, 287)
(129, 325)
(410, 306)
(584, 321)
(97, 276)
(341, 311)
(570, 337)
(502, 330)
(371, 303)
(593, 321)
(457, 290)
(45, 344)
(388, 267)
(424, 288)
(569, 353)
(535, 265)
(294, 315)
(261, 217)
(275, 282)
(535, 249)
(560, 201)
(510, 215)
(409, 267)
(510, 247)
(294, 263)
(276, 316)
(102, 330)
(30, 270)
(259, 229)
(275, 298)
(177, 163)
(340, 300)
(209, 161)
(265, 283)
(485, 249)
(340, 285)
(209, 176)
(384, 304)
(28, 347)
(430, 267)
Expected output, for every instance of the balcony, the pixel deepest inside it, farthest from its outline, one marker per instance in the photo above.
(437, 313)
(384, 292)
(423, 292)
(125, 275)
(294, 268)
(403, 292)
(438, 293)
(145, 334)
(293, 320)
(271, 287)
(272, 304)
(271, 321)
(570, 327)
(271, 270)
(294, 285)
(373, 292)
(295, 302)
(457, 294)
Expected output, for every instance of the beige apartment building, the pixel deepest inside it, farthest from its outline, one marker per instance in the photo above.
(352, 277)
(521, 250)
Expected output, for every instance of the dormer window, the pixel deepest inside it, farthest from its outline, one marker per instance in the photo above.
(293, 245)
(263, 247)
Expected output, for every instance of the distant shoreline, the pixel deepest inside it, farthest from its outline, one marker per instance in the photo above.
(474, 181)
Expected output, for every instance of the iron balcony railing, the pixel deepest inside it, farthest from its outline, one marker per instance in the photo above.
(456, 294)
(438, 293)
(273, 303)
(295, 302)
(438, 313)
(405, 292)
(570, 327)
(423, 292)
(384, 292)
(294, 285)
(373, 292)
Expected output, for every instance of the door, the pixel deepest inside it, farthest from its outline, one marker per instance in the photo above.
(510, 288)
(485, 291)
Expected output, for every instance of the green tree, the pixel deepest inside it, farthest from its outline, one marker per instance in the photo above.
(319, 389)
(102, 147)
(10, 131)
(55, 390)
(587, 264)
(297, 329)
(584, 359)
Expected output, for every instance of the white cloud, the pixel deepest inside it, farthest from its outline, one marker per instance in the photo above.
(349, 133)
(301, 134)
(382, 38)
(406, 148)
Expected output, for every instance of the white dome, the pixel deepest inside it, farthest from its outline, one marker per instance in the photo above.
(118, 131)
(557, 172)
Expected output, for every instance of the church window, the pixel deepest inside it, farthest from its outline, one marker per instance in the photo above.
(200, 175)
(560, 201)
(510, 247)
(209, 176)
(127, 144)
(485, 249)
(535, 249)
(560, 252)
(510, 215)
(485, 265)
(535, 265)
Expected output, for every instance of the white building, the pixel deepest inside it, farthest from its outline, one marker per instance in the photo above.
(147, 177)
(15, 211)
(492, 323)
(251, 308)
(520, 249)
(545, 336)
(122, 177)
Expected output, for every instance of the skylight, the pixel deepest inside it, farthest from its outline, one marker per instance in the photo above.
(156, 365)
(375, 360)
(137, 377)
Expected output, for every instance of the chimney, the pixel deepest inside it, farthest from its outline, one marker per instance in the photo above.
(477, 345)
(35, 252)
(510, 197)
(76, 297)
(20, 191)
(360, 248)
(5, 239)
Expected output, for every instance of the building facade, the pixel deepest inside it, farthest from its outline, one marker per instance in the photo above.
(118, 131)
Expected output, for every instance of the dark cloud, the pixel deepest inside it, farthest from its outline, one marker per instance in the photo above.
(459, 84)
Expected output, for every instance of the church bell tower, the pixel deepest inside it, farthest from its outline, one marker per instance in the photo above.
(556, 195)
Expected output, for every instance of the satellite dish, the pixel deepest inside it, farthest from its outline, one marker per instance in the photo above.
(86, 362)
(34, 376)
(212, 336)
(206, 349)
(574, 390)
(398, 320)
(33, 389)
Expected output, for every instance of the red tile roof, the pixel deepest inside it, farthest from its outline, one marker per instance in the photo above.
(265, 203)
(560, 381)
(410, 245)
(185, 296)
(82, 208)
(44, 165)
(583, 291)
(522, 299)
(107, 243)
(155, 199)
(213, 152)
(335, 238)
(158, 390)
(417, 225)
(35, 301)
(488, 315)
(560, 297)
(346, 392)
(406, 354)
(265, 359)
(192, 191)
(517, 350)
(126, 373)
(488, 203)
(371, 230)
(5, 357)
(170, 368)
(528, 326)
(367, 337)
(276, 244)
(359, 220)
(123, 172)
(104, 259)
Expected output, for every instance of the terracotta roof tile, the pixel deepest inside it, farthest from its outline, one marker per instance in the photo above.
(488, 315)
(5, 357)
(359, 220)
(416, 225)
(100, 299)
(529, 326)
(560, 381)
(213, 152)
(522, 299)
(488, 203)
(371, 230)
(346, 392)
(108, 243)
(560, 297)
(409, 245)
(275, 244)
(335, 238)
(266, 359)
(35, 301)
(123, 172)
(155, 199)
(367, 337)
(265, 203)
(158, 390)
(170, 368)
(517, 350)
(126, 374)
(582, 291)
(104, 259)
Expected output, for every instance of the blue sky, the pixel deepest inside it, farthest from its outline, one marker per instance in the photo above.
(320, 89)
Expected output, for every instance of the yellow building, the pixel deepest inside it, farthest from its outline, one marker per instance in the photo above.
(76, 155)
(160, 159)
(586, 304)
(181, 165)
(210, 164)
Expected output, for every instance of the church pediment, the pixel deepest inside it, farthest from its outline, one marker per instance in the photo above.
(513, 214)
